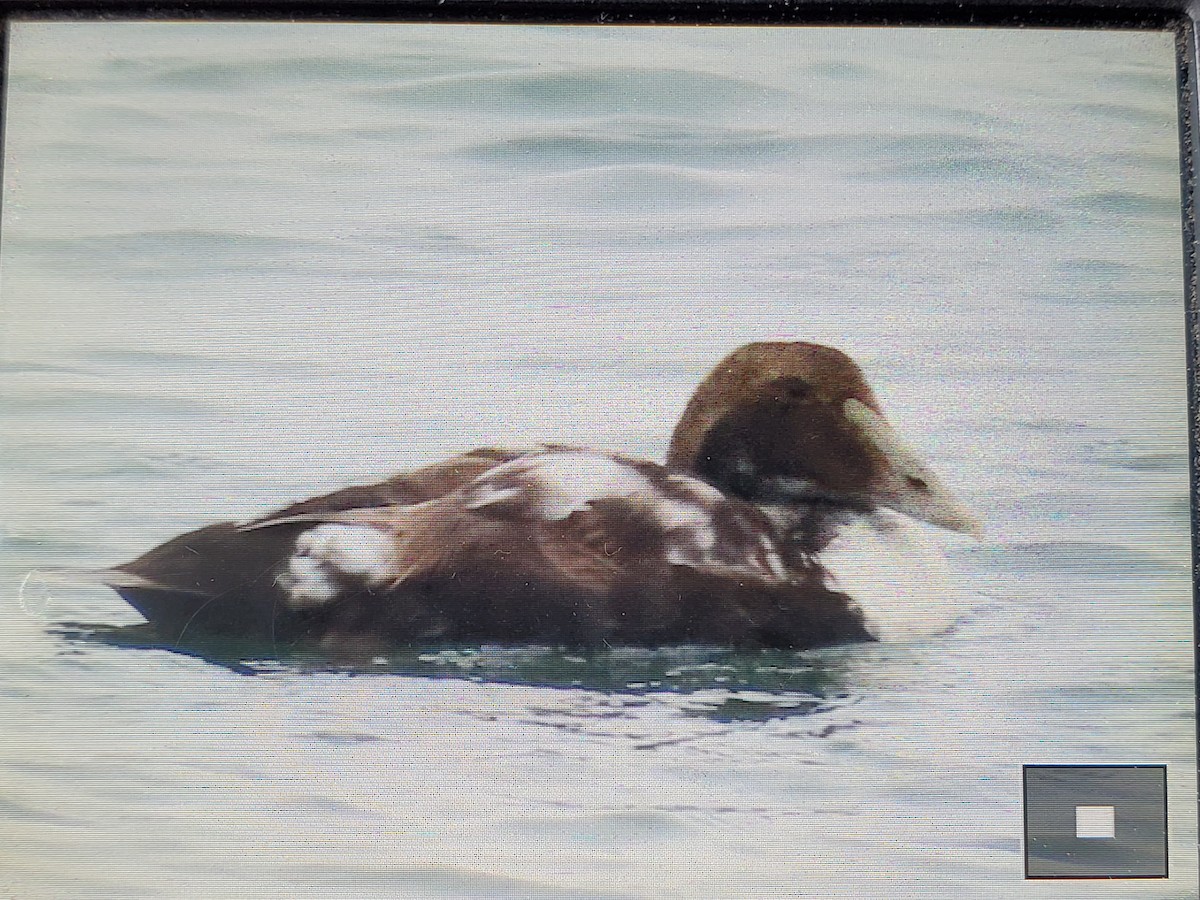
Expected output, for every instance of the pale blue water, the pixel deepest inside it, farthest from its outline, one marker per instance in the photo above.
(242, 264)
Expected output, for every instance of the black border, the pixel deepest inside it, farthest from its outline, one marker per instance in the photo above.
(1138, 14)
(1187, 59)
(1179, 16)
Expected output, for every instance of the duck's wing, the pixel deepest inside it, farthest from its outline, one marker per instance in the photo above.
(571, 547)
(382, 548)
(415, 486)
(574, 520)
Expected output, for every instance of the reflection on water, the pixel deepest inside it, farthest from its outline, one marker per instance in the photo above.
(738, 685)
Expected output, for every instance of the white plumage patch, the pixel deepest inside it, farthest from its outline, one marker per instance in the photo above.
(330, 555)
(701, 492)
(558, 483)
(682, 514)
(772, 559)
(488, 493)
(354, 549)
(692, 535)
(761, 562)
(307, 582)
(551, 486)
(899, 579)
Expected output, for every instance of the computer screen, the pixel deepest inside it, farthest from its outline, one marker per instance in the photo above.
(750, 461)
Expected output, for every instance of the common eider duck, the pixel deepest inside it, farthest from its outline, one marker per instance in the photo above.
(778, 447)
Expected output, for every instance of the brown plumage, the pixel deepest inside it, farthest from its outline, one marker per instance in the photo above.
(559, 545)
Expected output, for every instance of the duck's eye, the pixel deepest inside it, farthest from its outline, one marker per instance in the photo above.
(919, 483)
(788, 390)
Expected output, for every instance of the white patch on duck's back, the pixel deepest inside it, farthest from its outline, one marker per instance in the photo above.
(485, 492)
(329, 556)
(695, 520)
(735, 546)
(758, 559)
(773, 560)
(553, 485)
(354, 549)
(700, 491)
(558, 483)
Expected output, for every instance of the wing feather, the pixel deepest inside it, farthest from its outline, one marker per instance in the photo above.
(417, 486)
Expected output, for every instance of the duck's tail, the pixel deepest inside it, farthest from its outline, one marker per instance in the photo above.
(115, 578)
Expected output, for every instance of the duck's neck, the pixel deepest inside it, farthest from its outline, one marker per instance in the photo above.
(808, 527)
(805, 517)
(738, 452)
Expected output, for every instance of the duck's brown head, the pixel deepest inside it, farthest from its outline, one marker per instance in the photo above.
(797, 423)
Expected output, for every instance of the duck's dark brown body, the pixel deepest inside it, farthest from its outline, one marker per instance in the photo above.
(507, 580)
(562, 546)
(500, 607)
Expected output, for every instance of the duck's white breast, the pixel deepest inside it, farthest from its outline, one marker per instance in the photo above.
(899, 579)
